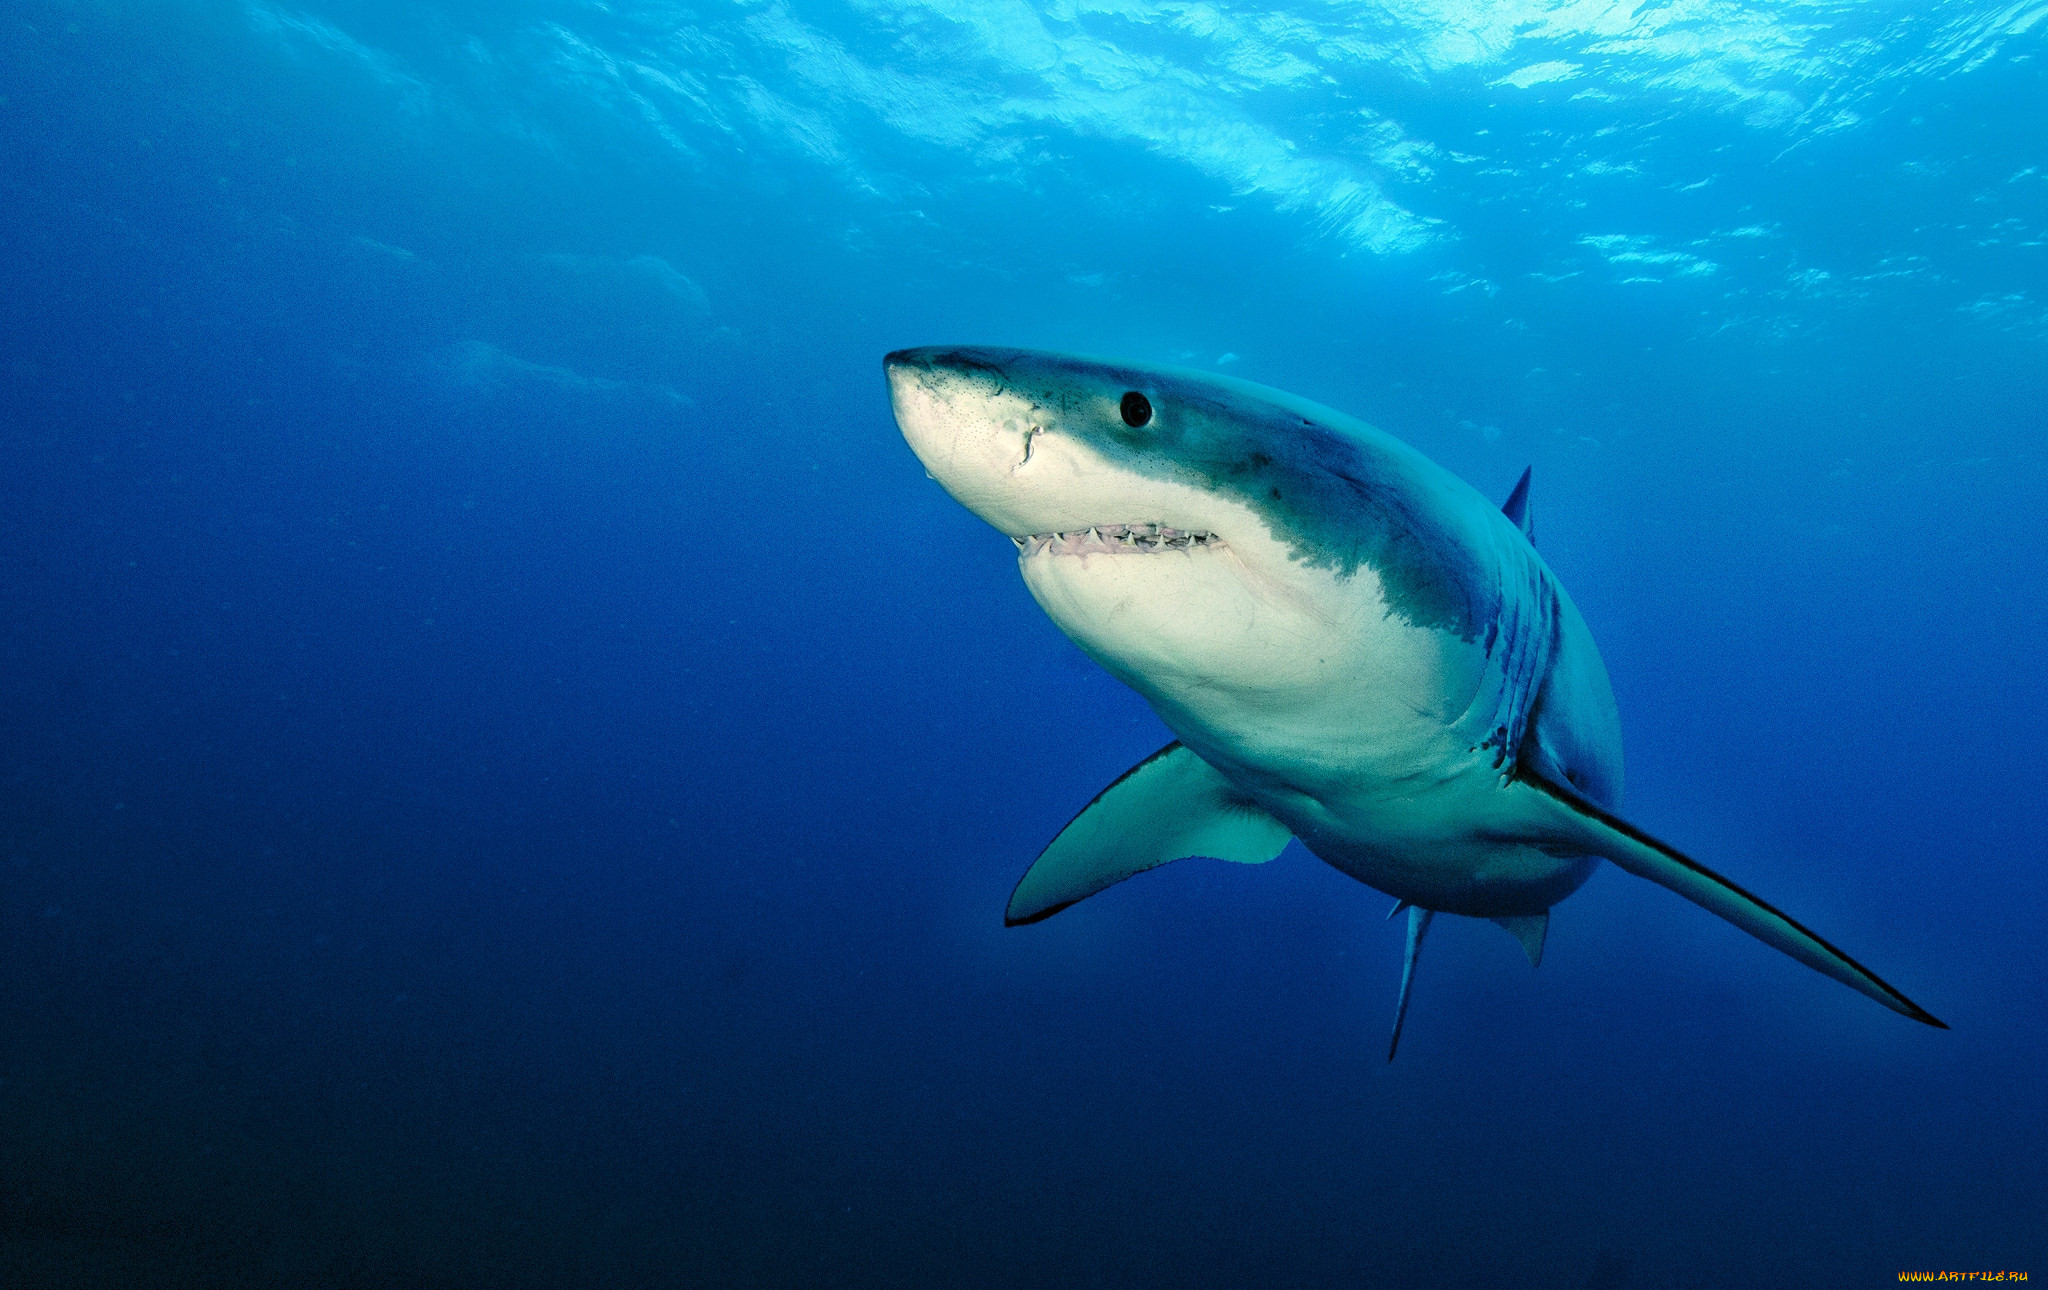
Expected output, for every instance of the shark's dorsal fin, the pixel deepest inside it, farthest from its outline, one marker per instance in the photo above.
(1630, 848)
(1516, 507)
(1168, 806)
(1529, 929)
(1418, 927)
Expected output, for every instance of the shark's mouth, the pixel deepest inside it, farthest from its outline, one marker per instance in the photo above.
(1117, 539)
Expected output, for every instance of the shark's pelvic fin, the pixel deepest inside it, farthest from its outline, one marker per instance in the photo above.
(1516, 507)
(1640, 854)
(1529, 929)
(1168, 806)
(1399, 905)
(1418, 927)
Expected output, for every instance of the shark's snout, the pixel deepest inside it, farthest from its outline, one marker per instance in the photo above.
(903, 359)
(1047, 447)
(971, 431)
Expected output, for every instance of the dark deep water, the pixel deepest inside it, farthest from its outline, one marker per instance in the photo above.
(511, 773)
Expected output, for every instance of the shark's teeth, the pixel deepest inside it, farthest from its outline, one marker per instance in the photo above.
(1126, 539)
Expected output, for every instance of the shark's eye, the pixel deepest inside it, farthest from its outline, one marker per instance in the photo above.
(1137, 409)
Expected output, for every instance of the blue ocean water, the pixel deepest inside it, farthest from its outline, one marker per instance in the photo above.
(512, 773)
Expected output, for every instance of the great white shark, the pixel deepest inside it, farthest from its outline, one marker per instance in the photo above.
(1353, 647)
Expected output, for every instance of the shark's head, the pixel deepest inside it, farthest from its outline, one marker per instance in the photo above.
(1174, 521)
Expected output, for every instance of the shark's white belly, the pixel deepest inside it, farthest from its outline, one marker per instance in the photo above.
(1376, 745)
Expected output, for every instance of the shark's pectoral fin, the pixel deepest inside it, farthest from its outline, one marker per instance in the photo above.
(1168, 806)
(1529, 929)
(1632, 849)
